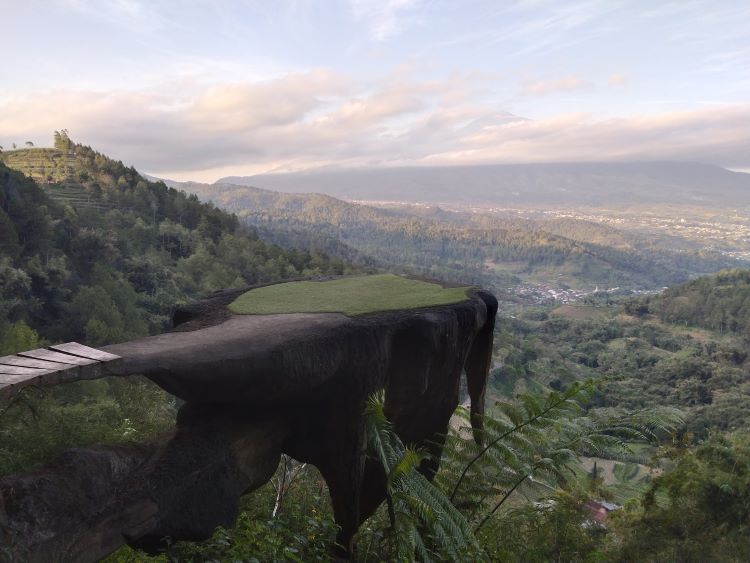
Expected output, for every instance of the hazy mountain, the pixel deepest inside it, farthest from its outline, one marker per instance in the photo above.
(559, 185)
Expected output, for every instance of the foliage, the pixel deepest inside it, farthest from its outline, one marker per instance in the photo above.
(719, 302)
(109, 264)
(18, 336)
(697, 511)
(101, 255)
(554, 529)
(485, 249)
(303, 530)
(40, 424)
(423, 522)
(641, 362)
(531, 445)
(521, 477)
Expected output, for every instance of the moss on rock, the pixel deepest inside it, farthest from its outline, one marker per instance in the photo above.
(350, 296)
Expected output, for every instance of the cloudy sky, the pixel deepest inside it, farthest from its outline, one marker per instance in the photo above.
(198, 89)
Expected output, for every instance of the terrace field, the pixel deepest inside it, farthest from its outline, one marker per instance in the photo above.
(44, 165)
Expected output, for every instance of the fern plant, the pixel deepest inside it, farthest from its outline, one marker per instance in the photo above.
(424, 524)
(530, 446)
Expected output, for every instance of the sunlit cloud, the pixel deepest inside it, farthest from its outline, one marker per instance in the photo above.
(320, 118)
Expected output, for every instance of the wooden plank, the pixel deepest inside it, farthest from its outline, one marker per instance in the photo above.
(52, 356)
(12, 379)
(16, 370)
(84, 351)
(61, 363)
(12, 384)
(31, 363)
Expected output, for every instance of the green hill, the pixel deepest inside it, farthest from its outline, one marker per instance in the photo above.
(686, 347)
(719, 302)
(100, 254)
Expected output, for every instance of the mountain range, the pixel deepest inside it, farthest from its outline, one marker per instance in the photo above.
(559, 185)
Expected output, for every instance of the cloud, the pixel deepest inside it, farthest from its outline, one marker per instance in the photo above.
(617, 79)
(320, 118)
(715, 135)
(545, 87)
(384, 18)
(235, 108)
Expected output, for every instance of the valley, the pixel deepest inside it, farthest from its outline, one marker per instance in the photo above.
(375, 280)
(100, 253)
(527, 255)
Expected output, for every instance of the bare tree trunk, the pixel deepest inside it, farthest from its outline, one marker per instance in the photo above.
(290, 470)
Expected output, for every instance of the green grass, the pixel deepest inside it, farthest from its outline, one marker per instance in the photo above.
(350, 296)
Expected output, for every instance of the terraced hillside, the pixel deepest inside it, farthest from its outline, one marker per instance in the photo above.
(59, 173)
(43, 165)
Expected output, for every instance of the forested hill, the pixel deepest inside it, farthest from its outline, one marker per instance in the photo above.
(536, 185)
(719, 302)
(100, 254)
(468, 247)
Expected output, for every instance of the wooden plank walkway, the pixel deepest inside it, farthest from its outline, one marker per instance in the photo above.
(49, 366)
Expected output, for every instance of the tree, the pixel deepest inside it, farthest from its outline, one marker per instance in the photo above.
(289, 470)
(17, 338)
(61, 141)
(702, 512)
(529, 446)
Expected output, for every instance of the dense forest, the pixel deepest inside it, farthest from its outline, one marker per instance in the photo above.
(105, 254)
(641, 360)
(638, 402)
(720, 303)
(486, 249)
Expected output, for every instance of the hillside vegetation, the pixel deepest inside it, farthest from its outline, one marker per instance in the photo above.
(651, 357)
(720, 302)
(101, 254)
(114, 270)
(489, 250)
(43, 165)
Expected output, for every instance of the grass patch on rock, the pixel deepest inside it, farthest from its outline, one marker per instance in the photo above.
(350, 296)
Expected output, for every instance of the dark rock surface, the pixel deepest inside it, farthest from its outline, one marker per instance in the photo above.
(254, 386)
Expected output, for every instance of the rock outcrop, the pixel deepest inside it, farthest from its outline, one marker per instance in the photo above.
(255, 387)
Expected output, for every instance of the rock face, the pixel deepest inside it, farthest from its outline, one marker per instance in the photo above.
(255, 387)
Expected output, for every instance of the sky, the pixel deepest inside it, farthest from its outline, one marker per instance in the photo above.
(200, 89)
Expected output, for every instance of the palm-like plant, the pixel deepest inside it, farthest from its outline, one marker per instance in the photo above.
(424, 523)
(530, 446)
